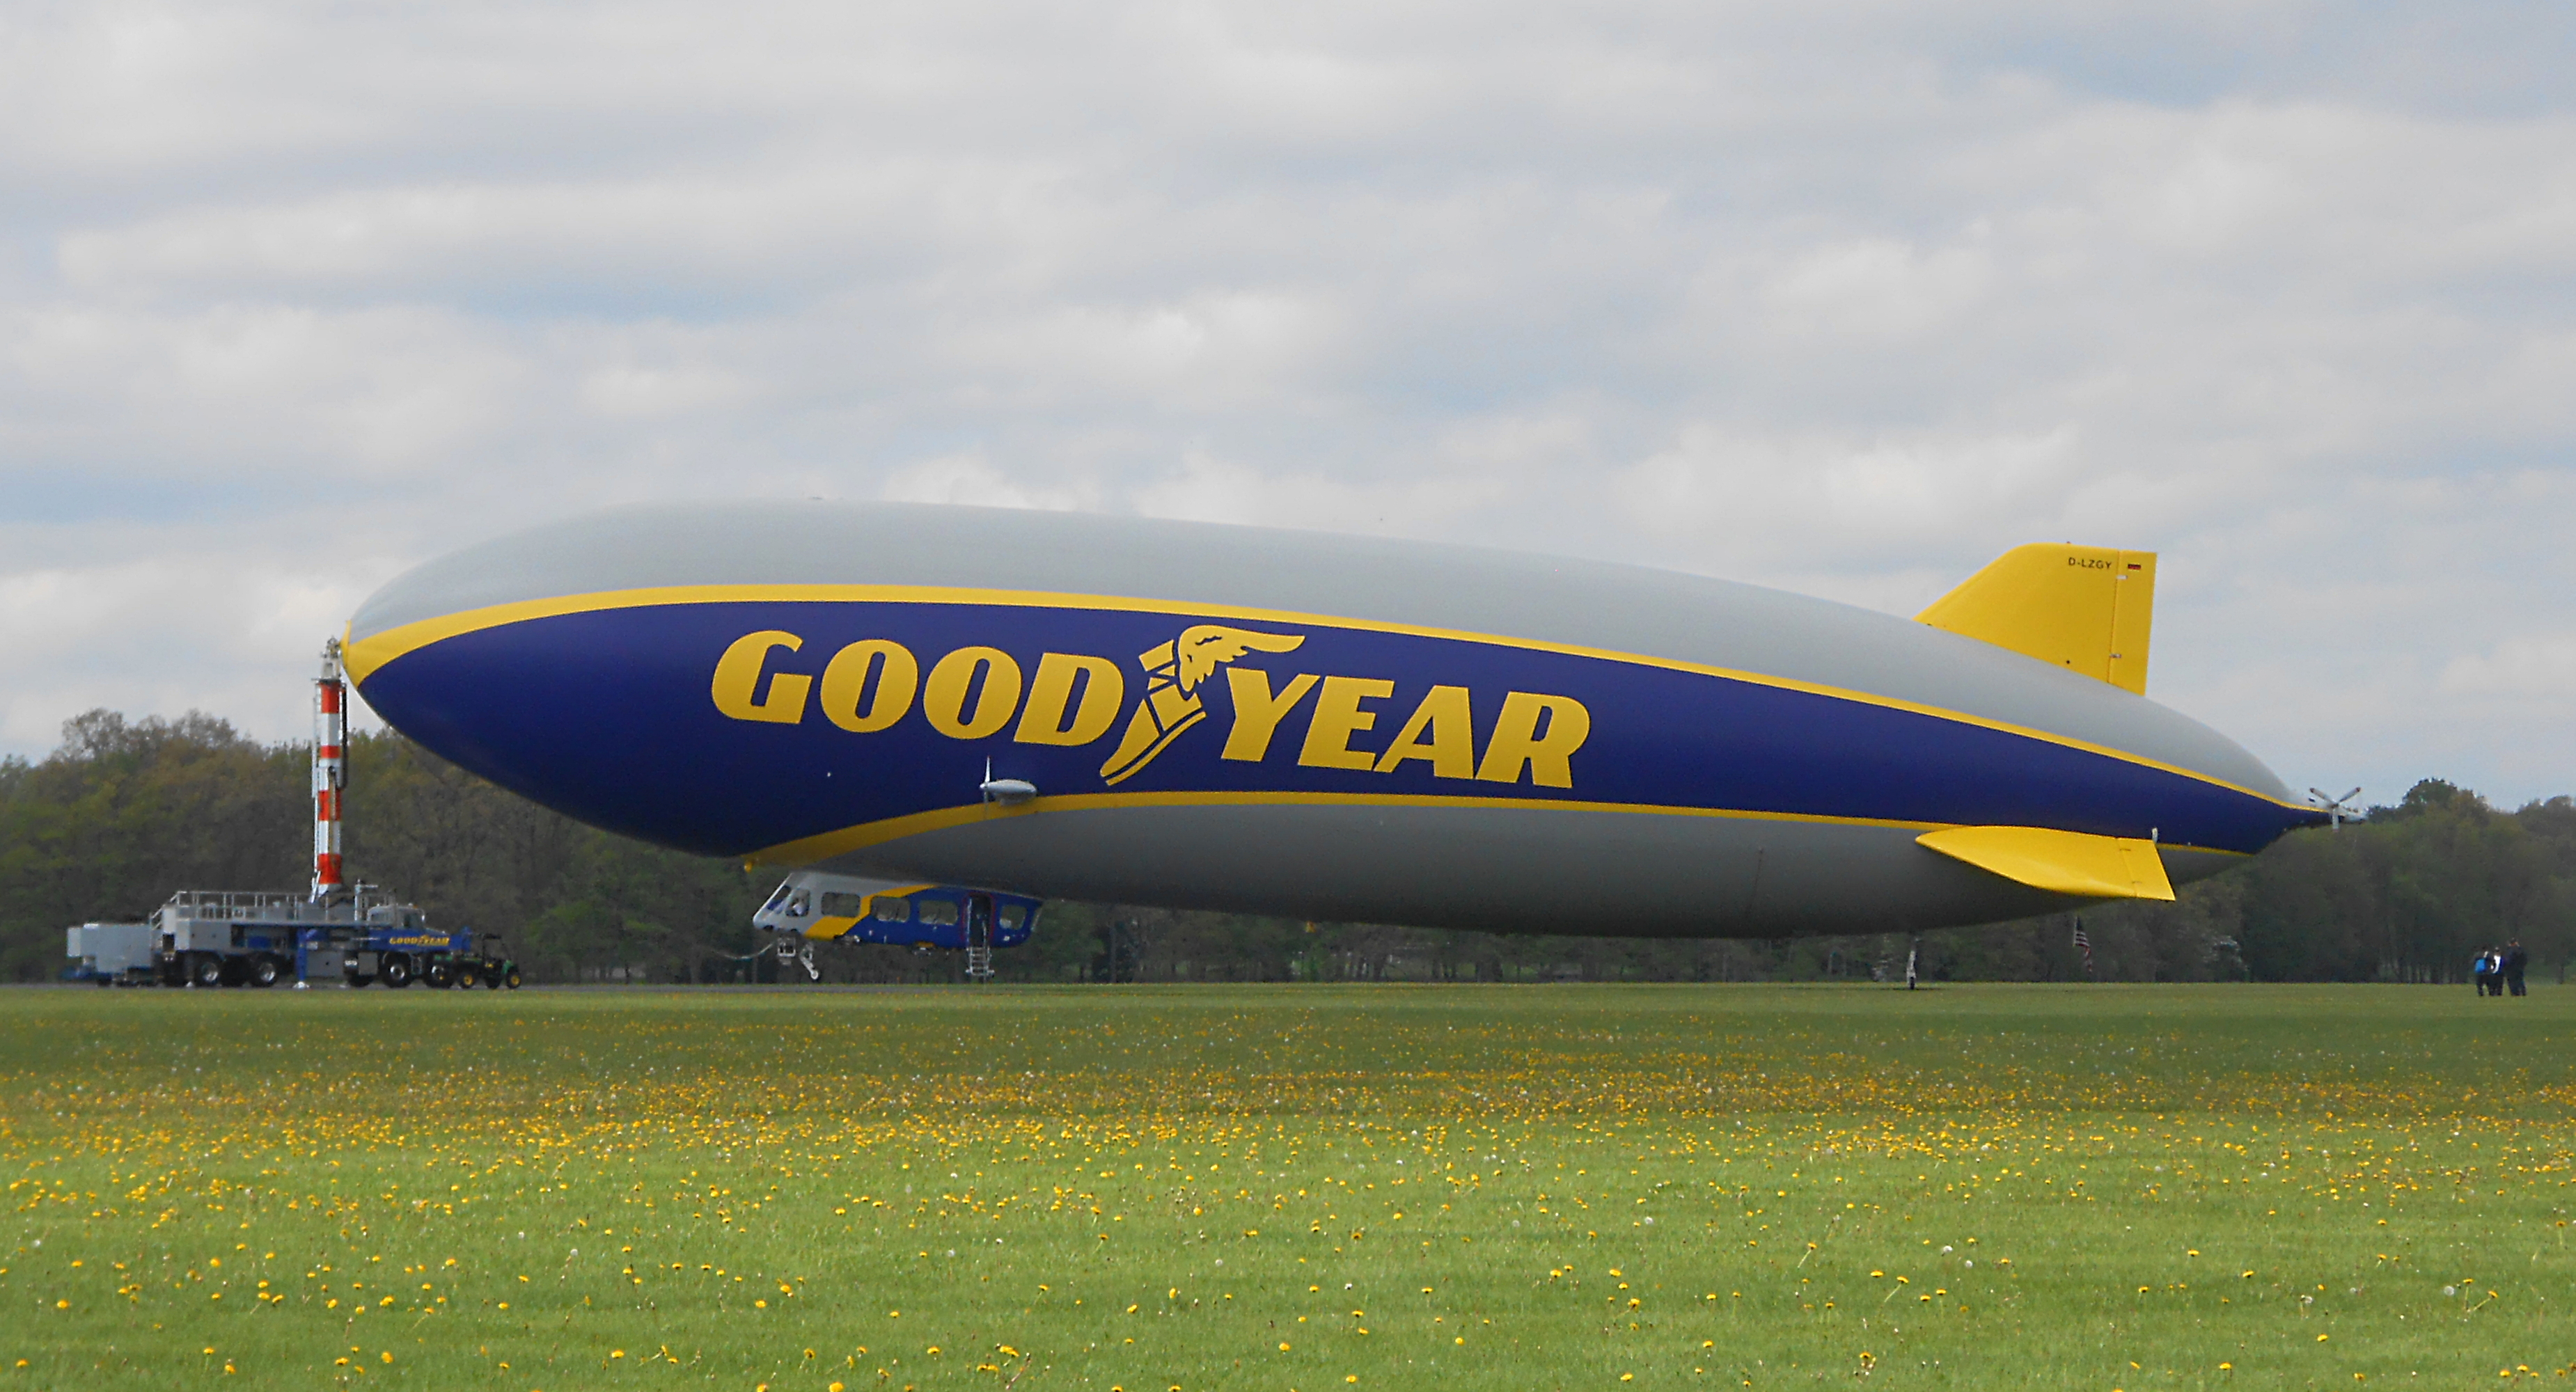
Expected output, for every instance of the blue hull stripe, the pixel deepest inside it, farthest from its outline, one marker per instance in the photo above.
(612, 716)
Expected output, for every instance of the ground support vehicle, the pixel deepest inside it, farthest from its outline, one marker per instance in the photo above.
(338, 934)
(230, 938)
(208, 938)
(111, 954)
(398, 954)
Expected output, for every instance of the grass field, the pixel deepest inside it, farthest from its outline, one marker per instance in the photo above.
(1287, 1187)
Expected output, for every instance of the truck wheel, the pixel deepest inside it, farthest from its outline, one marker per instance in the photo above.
(206, 970)
(439, 975)
(465, 976)
(358, 979)
(265, 971)
(395, 972)
(511, 978)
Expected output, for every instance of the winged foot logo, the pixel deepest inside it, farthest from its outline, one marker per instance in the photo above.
(1173, 672)
(1074, 699)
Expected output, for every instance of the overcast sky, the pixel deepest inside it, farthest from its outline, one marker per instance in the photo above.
(1844, 299)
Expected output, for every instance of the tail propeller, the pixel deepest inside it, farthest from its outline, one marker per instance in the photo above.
(2335, 808)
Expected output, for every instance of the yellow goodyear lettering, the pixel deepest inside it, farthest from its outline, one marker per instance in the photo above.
(1534, 737)
(1447, 717)
(846, 698)
(736, 687)
(1537, 733)
(1337, 717)
(953, 680)
(1257, 712)
(1104, 692)
(1074, 699)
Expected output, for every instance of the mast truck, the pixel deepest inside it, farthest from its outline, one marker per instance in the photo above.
(349, 934)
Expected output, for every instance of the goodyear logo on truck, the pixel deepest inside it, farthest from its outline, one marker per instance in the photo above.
(1076, 699)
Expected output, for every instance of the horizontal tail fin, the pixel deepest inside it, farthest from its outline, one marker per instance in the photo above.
(2062, 862)
(2085, 608)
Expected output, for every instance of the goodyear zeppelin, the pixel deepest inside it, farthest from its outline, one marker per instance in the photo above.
(1277, 758)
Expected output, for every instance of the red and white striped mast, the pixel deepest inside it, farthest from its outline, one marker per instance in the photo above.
(330, 770)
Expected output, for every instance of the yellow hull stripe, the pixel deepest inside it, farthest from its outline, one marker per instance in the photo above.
(364, 657)
(828, 929)
(812, 849)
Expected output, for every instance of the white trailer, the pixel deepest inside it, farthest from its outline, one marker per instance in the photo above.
(112, 954)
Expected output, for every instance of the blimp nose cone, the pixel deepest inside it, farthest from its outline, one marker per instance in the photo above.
(540, 662)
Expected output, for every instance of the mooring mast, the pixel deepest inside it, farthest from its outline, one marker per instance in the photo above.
(330, 770)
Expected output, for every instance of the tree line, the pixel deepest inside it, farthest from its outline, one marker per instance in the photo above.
(125, 812)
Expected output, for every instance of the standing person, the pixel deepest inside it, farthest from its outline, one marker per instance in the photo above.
(2482, 970)
(2516, 961)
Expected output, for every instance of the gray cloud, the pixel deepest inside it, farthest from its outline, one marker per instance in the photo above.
(1844, 300)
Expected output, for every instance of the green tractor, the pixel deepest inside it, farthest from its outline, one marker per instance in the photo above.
(489, 966)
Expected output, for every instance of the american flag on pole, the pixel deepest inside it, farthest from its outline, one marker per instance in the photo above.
(2084, 943)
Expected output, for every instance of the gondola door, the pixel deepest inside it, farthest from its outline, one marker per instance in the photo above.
(979, 937)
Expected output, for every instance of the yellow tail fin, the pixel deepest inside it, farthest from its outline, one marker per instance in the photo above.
(2085, 608)
(2062, 862)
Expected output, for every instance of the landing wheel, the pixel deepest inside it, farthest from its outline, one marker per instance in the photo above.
(265, 971)
(206, 969)
(395, 972)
